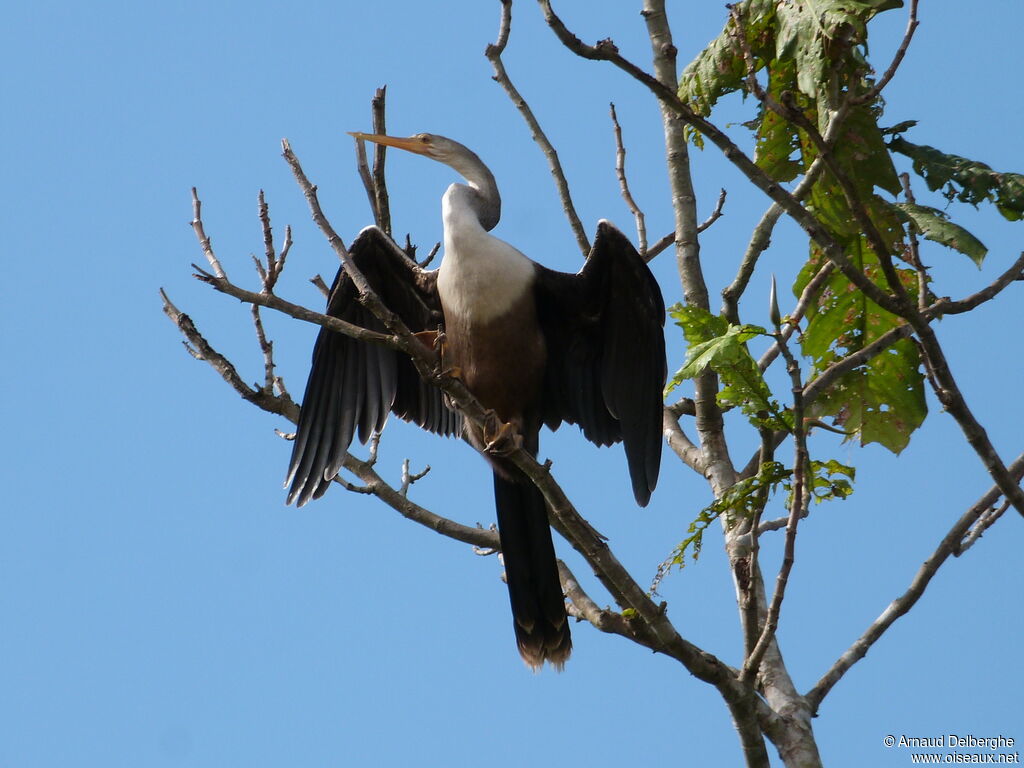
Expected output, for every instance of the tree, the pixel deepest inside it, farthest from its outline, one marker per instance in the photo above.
(865, 312)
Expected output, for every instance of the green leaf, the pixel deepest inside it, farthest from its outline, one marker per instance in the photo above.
(777, 150)
(743, 385)
(822, 36)
(882, 401)
(719, 69)
(936, 226)
(698, 326)
(830, 480)
(967, 181)
(741, 501)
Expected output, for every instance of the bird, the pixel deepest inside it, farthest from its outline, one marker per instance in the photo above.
(533, 345)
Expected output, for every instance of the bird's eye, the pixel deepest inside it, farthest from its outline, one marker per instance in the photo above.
(423, 137)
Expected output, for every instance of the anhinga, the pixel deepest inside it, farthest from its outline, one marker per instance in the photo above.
(533, 345)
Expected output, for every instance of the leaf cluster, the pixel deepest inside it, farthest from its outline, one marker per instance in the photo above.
(812, 56)
(714, 343)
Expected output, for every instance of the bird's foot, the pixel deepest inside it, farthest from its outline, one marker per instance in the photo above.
(428, 339)
(500, 438)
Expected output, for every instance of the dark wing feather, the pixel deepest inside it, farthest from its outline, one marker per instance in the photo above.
(352, 384)
(606, 353)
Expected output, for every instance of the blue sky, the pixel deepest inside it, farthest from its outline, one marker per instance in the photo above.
(160, 604)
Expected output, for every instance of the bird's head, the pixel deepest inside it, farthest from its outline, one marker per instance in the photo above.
(483, 197)
(438, 148)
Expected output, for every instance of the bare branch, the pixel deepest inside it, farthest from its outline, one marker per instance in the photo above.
(716, 214)
(620, 172)
(204, 241)
(946, 307)
(952, 399)
(380, 186)
(320, 285)
(363, 167)
(201, 349)
(430, 256)
(897, 59)
(409, 478)
(684, 406)
(680, 444)
(660, 246)
(272, 301)
(266, 347)
(988, 517)
(493, 53)
(801, 464)
(948, 546)
(582, 607)
(760, 240)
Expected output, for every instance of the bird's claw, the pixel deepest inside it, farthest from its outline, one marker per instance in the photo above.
(500, 438)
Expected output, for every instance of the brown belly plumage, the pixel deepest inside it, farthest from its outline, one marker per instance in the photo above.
(501, 360)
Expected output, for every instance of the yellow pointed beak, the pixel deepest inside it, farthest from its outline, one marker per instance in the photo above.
(411, 144)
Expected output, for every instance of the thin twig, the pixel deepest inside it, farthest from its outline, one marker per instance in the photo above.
(380, 186)
(321, 286)
(914, 251)
(430, 256)
(897, 59)
(363, 168)
(801, 464)
(760, 239)
(493, 53)
(945, 306)
(716, 214)
(275, 302)
(984, 522)
(409, 478)
(660, 246)
(204, 241)
(620, 173)
(266, 347)
(201, 349)
(901, 605)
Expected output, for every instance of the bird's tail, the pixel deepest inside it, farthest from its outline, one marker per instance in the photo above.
(538, 606)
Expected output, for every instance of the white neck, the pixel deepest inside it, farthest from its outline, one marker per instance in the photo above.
(480, 276)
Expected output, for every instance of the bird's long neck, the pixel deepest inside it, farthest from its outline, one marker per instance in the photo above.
(480, 194)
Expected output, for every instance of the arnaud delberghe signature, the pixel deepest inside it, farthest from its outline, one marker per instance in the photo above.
(955, 740)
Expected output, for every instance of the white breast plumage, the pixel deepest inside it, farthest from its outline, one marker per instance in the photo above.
(480, 276)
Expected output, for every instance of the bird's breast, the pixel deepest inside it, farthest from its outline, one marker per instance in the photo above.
(482, 278)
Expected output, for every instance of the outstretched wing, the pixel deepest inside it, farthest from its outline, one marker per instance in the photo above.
(353, 384)
(606, 353)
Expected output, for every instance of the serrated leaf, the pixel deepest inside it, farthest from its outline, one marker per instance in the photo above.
(719, 69)
(883, 400)
(742, 383)
(777, 150)
(820, 34)
(936, 226)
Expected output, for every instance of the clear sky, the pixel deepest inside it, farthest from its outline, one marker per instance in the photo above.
(160, 605)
